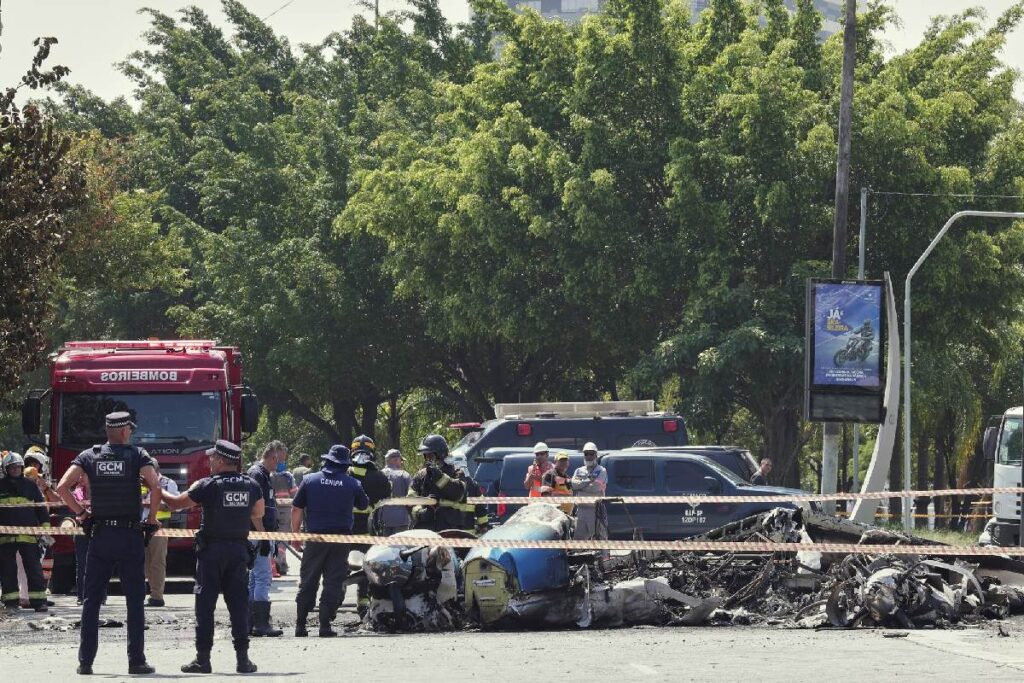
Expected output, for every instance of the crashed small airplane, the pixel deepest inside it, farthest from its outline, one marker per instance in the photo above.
(415, 588)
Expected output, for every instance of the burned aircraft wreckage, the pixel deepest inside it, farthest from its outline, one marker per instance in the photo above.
(433, 589)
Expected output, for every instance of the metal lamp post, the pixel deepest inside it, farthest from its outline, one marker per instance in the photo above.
(908, 519)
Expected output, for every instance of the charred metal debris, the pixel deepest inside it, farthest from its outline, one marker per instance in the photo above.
(528, 588)
(811, 589)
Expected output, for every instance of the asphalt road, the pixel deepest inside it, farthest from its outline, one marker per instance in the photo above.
(710, 653)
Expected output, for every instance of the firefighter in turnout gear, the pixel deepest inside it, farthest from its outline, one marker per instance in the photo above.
(377, 487)
(439, 480)
(116, 533)
(231, 502)
(17, 489)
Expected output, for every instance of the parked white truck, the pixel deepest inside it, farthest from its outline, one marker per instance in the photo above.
(1003, 445)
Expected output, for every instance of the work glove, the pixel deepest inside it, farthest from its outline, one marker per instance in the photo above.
(433, 473)
(46, 541)
(264, 548)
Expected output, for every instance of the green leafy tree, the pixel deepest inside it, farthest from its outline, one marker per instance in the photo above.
(39, 186)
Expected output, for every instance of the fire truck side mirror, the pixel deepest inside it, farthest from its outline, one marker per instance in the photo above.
(988, 444)
(32, 415)
(250, 412)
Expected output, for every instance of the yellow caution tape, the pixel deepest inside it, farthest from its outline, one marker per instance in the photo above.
(671, 546)
(694, 499)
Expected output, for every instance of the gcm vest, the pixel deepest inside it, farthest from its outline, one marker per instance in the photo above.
(114, 482)
(226, 512)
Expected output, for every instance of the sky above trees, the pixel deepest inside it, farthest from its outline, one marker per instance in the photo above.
(96, 34)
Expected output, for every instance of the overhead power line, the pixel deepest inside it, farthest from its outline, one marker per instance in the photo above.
(278, 9)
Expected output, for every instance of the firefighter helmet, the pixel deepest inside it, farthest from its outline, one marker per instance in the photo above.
(434, 443)
(363, 444)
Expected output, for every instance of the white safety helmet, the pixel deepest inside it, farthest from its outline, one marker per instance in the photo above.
(589, 446)
(12, 459)
(541, 447)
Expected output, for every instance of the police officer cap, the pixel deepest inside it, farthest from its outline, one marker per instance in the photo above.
(226, 449)
(119, 419)
(338, 454)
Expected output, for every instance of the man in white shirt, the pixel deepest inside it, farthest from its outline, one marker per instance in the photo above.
(590, 480)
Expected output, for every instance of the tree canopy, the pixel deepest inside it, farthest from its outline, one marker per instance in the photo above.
(517, 209)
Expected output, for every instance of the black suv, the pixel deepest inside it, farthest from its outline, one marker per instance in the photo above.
(658, 473)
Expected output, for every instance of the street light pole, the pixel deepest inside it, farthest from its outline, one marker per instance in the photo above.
(908, 519)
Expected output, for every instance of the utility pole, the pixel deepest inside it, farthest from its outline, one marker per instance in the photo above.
(830, 442)
(861, 251)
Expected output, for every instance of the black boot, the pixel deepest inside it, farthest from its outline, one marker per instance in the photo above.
(261, 621)
(327, 614)
(244, 664)
(300, 624)
(199, 665)
(142, 668)
(84, 670)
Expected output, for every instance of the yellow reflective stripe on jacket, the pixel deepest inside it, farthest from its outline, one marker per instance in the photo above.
(15, 500)
(18, 539)
(443, 481)
(357, 471)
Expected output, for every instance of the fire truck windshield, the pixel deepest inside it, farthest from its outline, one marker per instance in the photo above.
(172, 419)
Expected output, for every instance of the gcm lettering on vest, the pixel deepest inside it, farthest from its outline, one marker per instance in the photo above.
(236, 499)
(110, 468)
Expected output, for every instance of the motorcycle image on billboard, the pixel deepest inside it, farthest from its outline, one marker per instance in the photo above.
(847, 335)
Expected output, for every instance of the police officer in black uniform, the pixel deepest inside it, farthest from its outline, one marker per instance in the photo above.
(377, 487)
(113, 471)
(230, 500)
(328, 498)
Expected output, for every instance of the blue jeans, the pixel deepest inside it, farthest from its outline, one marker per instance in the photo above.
(259, 579)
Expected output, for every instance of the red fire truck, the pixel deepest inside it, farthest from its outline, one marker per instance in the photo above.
(183, 396)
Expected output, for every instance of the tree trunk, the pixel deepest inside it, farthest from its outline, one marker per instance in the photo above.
(782, 445)
(939, 478)
(344, 420)
(921, 504)
(370, 408)
(394, 424)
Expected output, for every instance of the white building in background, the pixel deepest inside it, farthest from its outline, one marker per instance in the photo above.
(573, 10)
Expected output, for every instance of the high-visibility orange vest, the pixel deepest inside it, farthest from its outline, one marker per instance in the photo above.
(535, 487)
(562, 490)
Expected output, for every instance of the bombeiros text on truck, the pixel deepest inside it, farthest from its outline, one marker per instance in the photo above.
(183, 395)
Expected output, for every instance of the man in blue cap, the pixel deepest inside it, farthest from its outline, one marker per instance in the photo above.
(112, 521)
(230, 500)
(328, 498)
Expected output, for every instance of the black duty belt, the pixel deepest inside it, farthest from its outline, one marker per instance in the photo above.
(122, 523)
